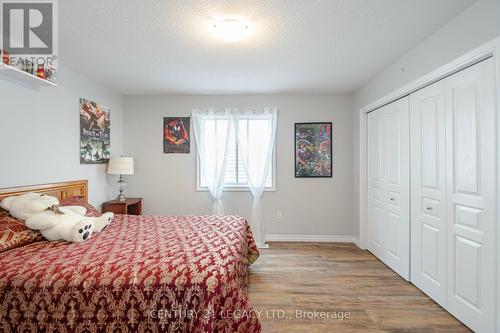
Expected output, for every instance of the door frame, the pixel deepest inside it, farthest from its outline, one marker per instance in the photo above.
(487, 50)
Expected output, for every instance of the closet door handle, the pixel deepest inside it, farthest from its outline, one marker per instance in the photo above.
(392, 199)
(429, 209)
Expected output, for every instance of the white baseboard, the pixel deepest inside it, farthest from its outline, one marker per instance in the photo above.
(312, 238)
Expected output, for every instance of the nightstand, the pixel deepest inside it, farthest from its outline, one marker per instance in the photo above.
(131, 206)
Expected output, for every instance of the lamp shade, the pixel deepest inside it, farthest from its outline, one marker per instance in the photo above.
(121, 166)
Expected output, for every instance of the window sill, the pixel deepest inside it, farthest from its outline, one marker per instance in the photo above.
(236, 189)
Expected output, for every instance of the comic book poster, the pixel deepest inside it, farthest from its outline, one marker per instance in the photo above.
(313, 150)
(176, 135)
(94, 132)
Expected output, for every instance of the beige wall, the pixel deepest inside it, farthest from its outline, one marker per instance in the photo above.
(40, 133)
(309, 206)
(476, 25)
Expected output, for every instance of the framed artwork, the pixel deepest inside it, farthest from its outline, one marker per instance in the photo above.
(176, 138)
(95, 129)
(313, 150)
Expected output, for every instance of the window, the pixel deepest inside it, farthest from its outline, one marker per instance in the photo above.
(215, 131)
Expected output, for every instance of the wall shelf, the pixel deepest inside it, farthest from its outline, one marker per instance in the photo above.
(14, 74)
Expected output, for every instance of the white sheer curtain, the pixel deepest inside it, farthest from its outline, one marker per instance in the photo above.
(255, 135)
(213, 131)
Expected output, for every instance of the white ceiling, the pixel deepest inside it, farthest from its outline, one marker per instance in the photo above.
(158, 46)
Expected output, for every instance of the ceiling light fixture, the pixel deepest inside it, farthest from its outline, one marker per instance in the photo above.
(231, 30)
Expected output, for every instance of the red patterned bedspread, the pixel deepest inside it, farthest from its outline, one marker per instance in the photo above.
(141, 274)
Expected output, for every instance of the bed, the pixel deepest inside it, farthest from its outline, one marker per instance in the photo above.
(141, 274)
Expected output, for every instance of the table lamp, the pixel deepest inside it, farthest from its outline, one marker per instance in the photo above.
(121, 166)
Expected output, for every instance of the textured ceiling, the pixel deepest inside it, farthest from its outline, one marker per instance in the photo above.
(158, 46)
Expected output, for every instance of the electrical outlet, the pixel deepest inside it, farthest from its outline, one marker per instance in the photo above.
(279, 215)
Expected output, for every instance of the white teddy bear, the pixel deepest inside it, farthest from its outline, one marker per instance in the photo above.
(42, 212)
(26, 205)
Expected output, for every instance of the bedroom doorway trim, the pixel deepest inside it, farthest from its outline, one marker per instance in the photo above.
(485, 51)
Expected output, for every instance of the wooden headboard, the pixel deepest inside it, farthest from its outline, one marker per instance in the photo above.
(59, 190)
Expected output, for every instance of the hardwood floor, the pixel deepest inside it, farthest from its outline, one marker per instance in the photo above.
(335, 279)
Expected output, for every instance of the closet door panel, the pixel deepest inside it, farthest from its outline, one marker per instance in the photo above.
(388, 181)
(470, 128)
(376, 184)
(428, 188)
(397, 187)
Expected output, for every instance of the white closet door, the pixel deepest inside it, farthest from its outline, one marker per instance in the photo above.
(389, 183)
(397, 217)
(470, 145)
(376, 184)
(428, 191)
